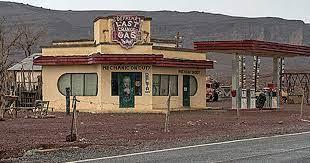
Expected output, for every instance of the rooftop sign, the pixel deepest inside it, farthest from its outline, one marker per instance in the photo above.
(126, 30)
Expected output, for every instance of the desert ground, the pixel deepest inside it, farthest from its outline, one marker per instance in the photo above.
(114, 134)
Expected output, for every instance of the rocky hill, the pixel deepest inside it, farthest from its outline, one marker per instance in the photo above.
(193, 26)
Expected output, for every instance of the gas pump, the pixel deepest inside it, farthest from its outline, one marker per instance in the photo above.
(252, 99)
(267, 92)
(271, 96)
(274, 99)
(244, 100)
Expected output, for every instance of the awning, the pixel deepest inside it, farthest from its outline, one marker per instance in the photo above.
(97, 58)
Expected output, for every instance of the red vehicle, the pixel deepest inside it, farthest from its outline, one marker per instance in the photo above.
(212, 91)
(209, 92)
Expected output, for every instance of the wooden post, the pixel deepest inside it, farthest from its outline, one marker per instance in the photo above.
(75, 119)
(238, 112)
(2, 96)
(302, 103)
(2, 104)
(168, 109)
(73, 134)
(67, 100)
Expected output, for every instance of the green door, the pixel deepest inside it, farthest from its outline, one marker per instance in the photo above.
(126, 92)
(186, 91)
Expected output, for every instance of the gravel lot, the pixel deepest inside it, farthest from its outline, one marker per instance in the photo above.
(112, 134)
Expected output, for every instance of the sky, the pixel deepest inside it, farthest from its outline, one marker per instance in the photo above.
(288, 9)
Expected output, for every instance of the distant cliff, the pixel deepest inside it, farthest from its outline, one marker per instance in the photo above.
(165, 24)
(193, 26)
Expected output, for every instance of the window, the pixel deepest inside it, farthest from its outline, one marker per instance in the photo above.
(156, 85)
(174, 85)
(138, 83)
(114, 84)
(79, 84)
(64, 82)
(136, 76)
(164, 85)
(193, 85)
(90, 81)
(161, 85)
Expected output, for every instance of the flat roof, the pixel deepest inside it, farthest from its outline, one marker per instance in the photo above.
(175, 49)
(160, 40)
(253, 47)
(112, 16)
(78, 40)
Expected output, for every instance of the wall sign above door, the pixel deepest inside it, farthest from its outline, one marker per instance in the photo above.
(189, 72)
(126, 30)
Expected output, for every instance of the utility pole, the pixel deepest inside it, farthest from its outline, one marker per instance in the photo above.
(178, 40)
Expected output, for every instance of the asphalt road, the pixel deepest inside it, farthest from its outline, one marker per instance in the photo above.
(284, 148)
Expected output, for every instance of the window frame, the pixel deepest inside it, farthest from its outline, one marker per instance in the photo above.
(70, 79)
(196, 81)
(71, 83)
(84, 86)
(160, 75)
(117, 82)
(84, 83)
(177, 84)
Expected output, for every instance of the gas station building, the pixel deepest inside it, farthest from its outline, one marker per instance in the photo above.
(121, 70)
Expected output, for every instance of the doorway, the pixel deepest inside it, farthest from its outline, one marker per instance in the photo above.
(126, 90)
(186, 91)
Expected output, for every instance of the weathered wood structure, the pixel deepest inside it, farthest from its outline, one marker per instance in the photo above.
(25, 83)
(294, 83)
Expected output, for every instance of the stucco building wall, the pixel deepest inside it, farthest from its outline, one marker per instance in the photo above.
(197, 101)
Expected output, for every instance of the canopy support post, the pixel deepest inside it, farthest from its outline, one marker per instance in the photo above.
(236, 100)
(277, 64)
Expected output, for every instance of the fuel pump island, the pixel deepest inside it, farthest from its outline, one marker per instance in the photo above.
(243, 98)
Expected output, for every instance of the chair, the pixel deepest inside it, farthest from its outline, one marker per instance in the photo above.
(42, 107)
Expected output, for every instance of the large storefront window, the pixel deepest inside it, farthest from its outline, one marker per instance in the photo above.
(135, 76)
(164, 85)
(80, 84)
(77, 84)
(193, 85)
(161, 85)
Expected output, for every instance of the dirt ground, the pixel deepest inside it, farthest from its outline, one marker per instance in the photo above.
(122, 132)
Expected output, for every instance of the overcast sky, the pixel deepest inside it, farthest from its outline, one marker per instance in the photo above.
(288, 9)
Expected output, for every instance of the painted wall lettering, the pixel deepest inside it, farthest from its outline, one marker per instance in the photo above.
(126, 67)
(189, 72)
(126, 30)
(147, 83)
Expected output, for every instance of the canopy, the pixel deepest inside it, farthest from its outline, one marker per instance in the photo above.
(252, 47)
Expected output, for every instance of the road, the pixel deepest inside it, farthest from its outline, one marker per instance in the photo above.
(282, 148)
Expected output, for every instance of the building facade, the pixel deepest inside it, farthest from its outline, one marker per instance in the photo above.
(122, 71)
